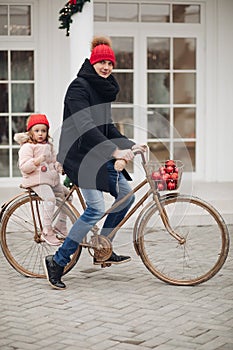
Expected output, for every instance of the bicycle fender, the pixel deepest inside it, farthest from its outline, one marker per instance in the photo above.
(5, 206)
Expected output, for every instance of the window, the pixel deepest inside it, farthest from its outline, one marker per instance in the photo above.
(15, 20)
(145, 12)
(16, 103)
(171, 98)
(186, 13)
(123, 12)
(123, 110)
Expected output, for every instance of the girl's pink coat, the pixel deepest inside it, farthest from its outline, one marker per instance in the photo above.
(32, 174)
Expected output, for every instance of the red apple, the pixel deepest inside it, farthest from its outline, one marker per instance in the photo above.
(174, 176)
(171, 185)
(155, 175)
(165, 177)
(170, 163)
(169, 169)
(160, 186)
(176, 170)
(162, 170)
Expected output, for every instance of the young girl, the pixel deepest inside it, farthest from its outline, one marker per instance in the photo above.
(40, 171)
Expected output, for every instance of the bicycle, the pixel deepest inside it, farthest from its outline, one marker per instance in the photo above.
(165, 235)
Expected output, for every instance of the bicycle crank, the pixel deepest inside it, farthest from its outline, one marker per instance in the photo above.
(100, 247)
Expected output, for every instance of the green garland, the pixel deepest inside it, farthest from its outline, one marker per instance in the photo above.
(71, 7)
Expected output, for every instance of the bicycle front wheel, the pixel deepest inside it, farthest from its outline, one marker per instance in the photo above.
(21, 246)
(205, 234)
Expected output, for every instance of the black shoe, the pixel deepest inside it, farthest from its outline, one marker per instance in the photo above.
(114, 259)
(53, 272)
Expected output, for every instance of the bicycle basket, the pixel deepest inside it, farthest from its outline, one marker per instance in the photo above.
(166, 174)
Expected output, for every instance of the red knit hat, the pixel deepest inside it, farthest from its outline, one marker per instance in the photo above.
(102, 51)
(37, 119)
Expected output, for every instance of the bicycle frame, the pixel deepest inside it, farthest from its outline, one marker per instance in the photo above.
(152, 191)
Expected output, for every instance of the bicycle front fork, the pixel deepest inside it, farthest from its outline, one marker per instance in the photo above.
(166, 222)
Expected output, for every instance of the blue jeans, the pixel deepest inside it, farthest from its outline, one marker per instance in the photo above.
(119, 187)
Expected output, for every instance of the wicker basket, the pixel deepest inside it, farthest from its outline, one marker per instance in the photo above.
(166, 174)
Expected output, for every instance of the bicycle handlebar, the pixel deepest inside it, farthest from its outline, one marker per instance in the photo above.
(120, 164)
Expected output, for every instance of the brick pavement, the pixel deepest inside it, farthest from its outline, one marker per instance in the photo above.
(119, 308)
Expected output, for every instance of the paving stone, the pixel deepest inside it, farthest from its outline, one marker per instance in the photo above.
(119, 308)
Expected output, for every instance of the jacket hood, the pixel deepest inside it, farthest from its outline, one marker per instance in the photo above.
(21, 137)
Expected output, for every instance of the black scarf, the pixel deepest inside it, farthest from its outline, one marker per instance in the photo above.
(106, 87)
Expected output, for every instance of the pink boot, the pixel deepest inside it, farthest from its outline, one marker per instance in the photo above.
(61, 225)
(61, 229)
(49, 236)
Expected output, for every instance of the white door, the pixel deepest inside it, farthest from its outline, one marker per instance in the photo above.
(159, 69)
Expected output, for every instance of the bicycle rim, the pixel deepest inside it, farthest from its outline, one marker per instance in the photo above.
(206, 241)
(17, 237)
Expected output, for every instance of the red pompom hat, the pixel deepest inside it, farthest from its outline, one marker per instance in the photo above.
(102, 52)
(37, 119)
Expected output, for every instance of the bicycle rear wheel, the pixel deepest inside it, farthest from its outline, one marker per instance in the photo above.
(21, 248)
(206, 241)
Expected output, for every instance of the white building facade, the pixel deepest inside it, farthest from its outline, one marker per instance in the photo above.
(174, 66)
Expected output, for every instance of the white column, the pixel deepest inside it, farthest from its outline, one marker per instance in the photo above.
(81, 34)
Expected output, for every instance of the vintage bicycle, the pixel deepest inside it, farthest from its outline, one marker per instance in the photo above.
(181, 239)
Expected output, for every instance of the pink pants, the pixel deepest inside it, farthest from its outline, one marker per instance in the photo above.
(48, 194)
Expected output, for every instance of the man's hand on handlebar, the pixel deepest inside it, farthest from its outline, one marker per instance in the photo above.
(123, 156)
(141, 148)
(126, 154)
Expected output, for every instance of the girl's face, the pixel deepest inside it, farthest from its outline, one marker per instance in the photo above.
(103, 68)
(39, 133)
